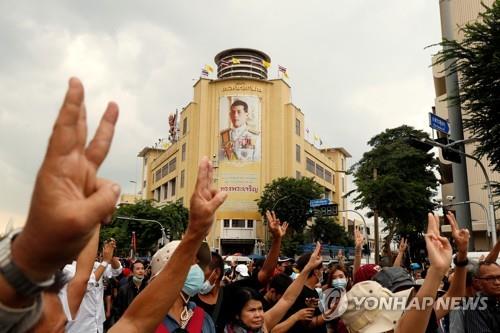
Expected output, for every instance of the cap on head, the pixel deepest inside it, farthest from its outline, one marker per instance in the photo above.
(366, 272)
(368, 318)
(394, 278)
(242, 269)
(163, 255)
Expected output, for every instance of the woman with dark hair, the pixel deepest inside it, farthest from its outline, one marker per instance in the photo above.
(247, 314)
(338, 278)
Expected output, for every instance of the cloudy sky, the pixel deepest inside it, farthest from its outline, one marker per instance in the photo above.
(356, 68)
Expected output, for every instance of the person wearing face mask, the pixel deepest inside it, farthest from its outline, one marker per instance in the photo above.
(135, 284)
(210, 296)
(337, 278)
(185, 315)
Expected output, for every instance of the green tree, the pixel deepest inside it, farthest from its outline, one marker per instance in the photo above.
(478, 66)
(327, 230)
(172, 216)
(289, 198)
(405, 182)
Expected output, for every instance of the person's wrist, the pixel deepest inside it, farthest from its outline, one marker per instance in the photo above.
(461, 255)
(436, 272)
(29, 261)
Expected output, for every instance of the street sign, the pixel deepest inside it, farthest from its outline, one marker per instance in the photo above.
(438, 123)
(318, 202)
(327, 210)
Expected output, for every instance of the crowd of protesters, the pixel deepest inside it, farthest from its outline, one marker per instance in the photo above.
(50, 280)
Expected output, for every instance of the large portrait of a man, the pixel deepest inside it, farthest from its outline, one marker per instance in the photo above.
(240, 128)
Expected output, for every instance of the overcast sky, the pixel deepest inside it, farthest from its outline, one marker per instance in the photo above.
(356, 68)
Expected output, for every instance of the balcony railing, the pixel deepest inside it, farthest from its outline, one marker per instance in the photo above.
(238, 233)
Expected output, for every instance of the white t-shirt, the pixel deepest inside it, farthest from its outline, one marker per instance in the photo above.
(91, 315)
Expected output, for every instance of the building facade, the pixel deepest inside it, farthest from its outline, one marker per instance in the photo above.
(253, 133)
(462, 12)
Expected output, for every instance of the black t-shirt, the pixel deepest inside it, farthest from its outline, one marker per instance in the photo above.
(300, 303)
(208, 308)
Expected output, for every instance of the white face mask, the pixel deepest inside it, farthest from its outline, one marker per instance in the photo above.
(206, 288)
(339, 283)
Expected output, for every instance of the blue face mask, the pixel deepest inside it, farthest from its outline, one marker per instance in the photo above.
(339, 283)
(194, 281)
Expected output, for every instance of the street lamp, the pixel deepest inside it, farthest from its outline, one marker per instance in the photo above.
(468, 202)
(491, 212)
(135, 187)
(164, 238)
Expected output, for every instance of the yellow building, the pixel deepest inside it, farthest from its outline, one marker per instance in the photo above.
(253, 133)
(462, 12)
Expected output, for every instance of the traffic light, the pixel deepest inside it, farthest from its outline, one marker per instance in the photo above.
(417, 143)
(309, 213)
(449, 155)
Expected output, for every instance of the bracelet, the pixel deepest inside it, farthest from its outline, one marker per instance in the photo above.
(460, 263)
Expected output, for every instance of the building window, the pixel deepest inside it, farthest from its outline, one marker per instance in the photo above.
(183, 152)
(343, 184)
(226, 223)
(164, 170)
(298, 175)
(164, 190)
(172, 164)
(157, 175)
(238, 223)
(182, 179)
(310, 165)
(184, 126)
(328, 176)
(172, 185)
(250, 224)
(320, 172)
(297, 127)
(297, 153)
(143, 184)
(342, 161)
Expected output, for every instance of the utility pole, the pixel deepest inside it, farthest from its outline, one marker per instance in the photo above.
(460, 181)
(375, 223)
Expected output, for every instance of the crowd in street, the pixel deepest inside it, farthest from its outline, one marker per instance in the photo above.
(50, 280)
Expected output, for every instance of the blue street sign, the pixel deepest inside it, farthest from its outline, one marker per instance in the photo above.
(318, 202)
(438, 123)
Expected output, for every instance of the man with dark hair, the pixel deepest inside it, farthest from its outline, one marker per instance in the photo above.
(308, 298)
(275, 290)
(239, 142)
(129, 291)
(210, 297)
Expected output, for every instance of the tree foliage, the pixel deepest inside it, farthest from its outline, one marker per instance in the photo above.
(327, 230)
(405, 182)
(172, 216)
(289, 198)
(478, 66)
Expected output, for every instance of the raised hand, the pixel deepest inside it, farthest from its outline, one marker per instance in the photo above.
(460, 236)
(315, 259)
(403, 245)
(204, 201)
(68, 200)
(304, 314)
(275, 227)
(438, 248)
(358, 239)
